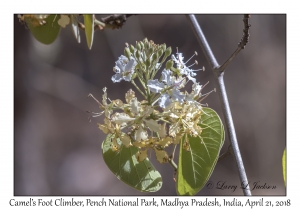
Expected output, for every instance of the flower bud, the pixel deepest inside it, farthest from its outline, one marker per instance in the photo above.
(169, 64)
(132, 49)
(154, 56)
(150, 51)
(163, 47)
(138, 46)
(168, 51)
(142, 45)
(148, 62)
(160, 52)
(133, 76)
(137, 54)
(127, 53)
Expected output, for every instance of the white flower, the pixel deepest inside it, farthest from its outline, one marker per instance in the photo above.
(141, 155)
(129, 95)
(121, 118)
(124, 69)
(173, 95)
(185, 119)
(141, 134)
(195, 94)
(155, 86)
(153, 125)
(135, 105)
(191, 78)
(167, 77)
(165, 100)
(177, 95)
(164, 142)
(161, 155)
(162, 132)
(168, 88)
(184, 70)
(171, 81)
(179, 60)
(126, 140)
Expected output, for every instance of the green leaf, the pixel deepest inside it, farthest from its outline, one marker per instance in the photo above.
(195, 166)
(89, 29)
(284, 166)
(46, 33)
(123, 163)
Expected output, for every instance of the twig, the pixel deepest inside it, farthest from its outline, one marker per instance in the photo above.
(242, 43)
(111, 21)
(115, 21)
(246, 34)
(223, 98)
(173, 164)
(227, 153)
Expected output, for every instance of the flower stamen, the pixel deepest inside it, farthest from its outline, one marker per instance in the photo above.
(90, 95)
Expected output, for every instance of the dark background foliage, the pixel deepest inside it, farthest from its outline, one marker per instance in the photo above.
(58, 152)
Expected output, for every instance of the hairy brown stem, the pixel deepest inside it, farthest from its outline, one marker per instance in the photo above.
(241, 45)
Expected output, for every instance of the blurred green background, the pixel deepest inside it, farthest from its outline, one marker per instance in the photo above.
(58, 152)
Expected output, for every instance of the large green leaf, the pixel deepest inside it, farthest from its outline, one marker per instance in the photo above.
(89, 29)
(196, 165)
(123, 163)
(46, 33)
(284, 166)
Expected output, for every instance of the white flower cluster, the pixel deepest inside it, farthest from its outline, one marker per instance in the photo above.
(124, 69)
(166, 114)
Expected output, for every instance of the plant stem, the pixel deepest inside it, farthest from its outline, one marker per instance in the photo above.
(218, 74)
(173, 164)
(242, 44)
(227, 153)
(98, 22)
(138, 88)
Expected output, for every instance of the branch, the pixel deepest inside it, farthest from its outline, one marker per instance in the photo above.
(227, 153)
(115, 21)
(246, 34)
(173, 164)
(111, 21)
(242, 43)
(223, 98)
